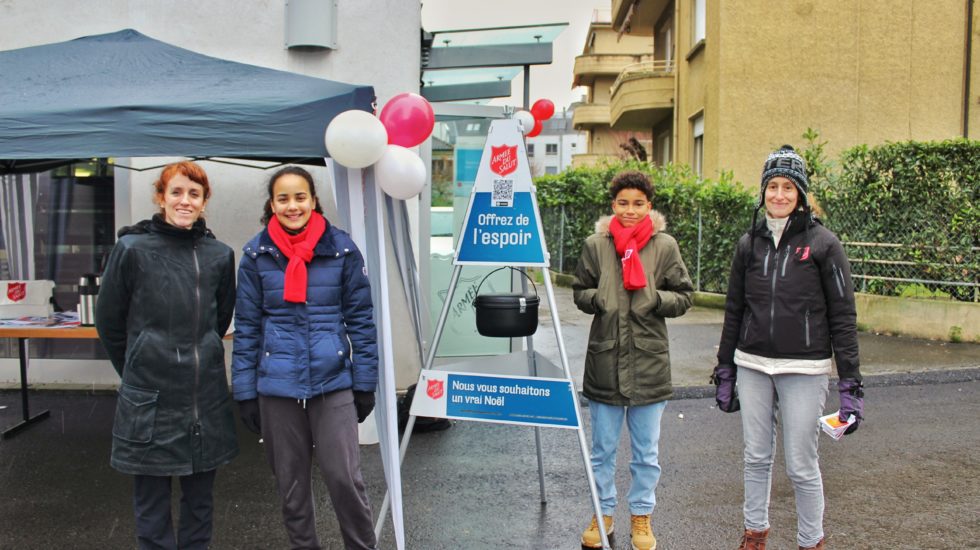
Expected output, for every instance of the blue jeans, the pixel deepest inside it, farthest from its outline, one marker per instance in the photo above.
(797, 401)
(643, 423)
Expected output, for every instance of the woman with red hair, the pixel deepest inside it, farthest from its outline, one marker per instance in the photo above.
(166, 300)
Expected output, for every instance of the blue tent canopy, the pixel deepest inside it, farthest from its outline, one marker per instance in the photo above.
(124, 94)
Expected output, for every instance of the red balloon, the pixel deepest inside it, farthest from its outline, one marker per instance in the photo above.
(536, 130)
(408, 118)
(543, 109)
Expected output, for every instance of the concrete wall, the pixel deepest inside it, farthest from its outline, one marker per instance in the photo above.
(377, 45)
(607, 41)
(857, 72)
(934, 319)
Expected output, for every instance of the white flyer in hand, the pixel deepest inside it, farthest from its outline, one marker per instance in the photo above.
(832, 425)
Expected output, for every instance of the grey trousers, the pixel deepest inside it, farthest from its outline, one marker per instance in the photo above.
(324, 427)
(798, 399)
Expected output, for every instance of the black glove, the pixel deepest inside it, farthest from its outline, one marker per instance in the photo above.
(726, 394)
(249, 411)
(364, 403)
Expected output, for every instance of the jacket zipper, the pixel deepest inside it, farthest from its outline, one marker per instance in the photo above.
(785, 261)
(806, 326)
(839, 279)
(772, 298)
(772, 291)
(765, 264)
(197, 326)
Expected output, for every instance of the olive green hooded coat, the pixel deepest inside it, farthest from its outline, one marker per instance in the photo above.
(628, 358)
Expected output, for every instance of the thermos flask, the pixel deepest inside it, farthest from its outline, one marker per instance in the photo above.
(88, 292)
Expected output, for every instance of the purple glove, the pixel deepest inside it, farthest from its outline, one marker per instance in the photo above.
(851, 402)
(726, 394)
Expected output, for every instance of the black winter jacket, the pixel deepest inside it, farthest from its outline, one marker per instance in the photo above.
(166, 300)
(794, 300)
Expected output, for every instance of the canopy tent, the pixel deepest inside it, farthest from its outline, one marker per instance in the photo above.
(124, 94)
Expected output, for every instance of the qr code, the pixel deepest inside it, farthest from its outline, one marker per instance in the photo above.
(503, 192)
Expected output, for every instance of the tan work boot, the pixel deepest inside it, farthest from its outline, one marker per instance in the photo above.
(819, 546)
(642, 534)
(591, 537)
(754, 540)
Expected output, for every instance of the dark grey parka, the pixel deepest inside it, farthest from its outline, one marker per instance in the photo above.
(628, 358)
(166, 300)
(794, 300)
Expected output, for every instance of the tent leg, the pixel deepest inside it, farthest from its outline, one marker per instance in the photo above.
(430, 358)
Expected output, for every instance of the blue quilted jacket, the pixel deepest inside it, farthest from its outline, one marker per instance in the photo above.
(299, 351)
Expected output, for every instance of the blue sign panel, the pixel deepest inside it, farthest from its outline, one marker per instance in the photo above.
(501, 234)
(535, 401)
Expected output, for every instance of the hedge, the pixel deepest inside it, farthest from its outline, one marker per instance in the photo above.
(922, 196)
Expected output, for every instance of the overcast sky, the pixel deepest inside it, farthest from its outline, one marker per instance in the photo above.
(553, 81)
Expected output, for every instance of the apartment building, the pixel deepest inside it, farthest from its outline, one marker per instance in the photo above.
(553, 150)
(605, 55)
(730, 81)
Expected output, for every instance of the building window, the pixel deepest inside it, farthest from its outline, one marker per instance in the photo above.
(697, 149)
(550, 169)
(530, 149)
(551, 148)
(697, 21)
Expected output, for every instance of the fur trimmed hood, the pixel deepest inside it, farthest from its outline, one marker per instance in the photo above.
(658, 219)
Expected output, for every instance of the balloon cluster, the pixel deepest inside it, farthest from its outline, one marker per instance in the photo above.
(358, 139)
(542, 110)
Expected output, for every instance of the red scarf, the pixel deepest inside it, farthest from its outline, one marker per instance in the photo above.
(629, 241)
(299, 249)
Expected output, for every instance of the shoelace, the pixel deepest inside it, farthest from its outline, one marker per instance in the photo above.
(640, 525)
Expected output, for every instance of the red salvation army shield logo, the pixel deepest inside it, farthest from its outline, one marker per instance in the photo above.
(503, 159)
(434, 389)
(16, 291)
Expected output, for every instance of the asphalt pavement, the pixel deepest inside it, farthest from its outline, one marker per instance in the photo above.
(908, 478)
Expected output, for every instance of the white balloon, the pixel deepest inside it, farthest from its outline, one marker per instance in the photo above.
(356, 139)
(526, 119)
(400, 172)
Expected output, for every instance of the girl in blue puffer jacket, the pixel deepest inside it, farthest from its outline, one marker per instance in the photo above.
(305, 362)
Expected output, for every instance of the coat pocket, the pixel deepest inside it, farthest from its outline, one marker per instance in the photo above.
(136, 411)
(600, 366)
(651, 363)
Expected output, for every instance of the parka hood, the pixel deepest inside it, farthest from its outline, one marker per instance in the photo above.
(658, 219)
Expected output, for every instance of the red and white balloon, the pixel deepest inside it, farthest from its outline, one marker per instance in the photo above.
(358, 139)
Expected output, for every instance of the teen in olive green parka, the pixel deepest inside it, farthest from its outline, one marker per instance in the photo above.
(628, 361)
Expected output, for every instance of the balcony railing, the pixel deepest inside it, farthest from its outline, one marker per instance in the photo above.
(645, 69)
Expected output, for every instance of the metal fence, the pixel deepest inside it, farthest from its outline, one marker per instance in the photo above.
(900, 263)
(902, 267)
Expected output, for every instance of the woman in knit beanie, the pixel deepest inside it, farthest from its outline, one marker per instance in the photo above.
(789, 310)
